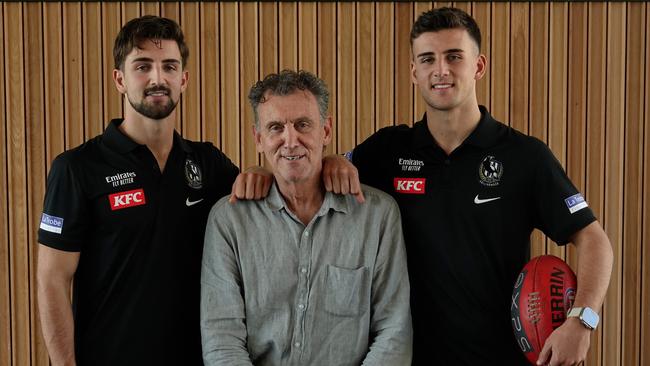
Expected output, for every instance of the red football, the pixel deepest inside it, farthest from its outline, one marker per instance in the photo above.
(542, 296)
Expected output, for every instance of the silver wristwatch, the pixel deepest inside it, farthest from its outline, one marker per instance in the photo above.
(587, 316)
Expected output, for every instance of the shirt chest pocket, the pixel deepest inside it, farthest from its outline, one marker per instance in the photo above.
(347, 290)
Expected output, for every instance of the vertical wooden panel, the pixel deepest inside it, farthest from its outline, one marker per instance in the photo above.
(54, 123)
(403, 83)
(72, 59)
(111, 25)
(645, 243)
(210, 67)
(557, 103)
(595, 187)
(288, 37)
(519, 63)
(500, 70)
(365, 72)
(482, 13)
(229, 35)
(307, 37)
(419, 105)
(538, 99)
(633, 189)
(577, 94)
(385, 66)
(34, 107)
(171, 10)
(346, 88)
(149, 8)
(130, 10)
(327, 57)
(269, 43)
(16, 173)
(5, 268)
(190, 106)
(249, 66)
(614, 147)
(93, 69)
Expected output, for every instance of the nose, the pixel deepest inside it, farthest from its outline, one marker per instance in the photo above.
(290, 136)
(440, 69)
(155, 76)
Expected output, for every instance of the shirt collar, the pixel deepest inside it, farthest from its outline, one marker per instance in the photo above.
(486, 133)
(121, 143)
(336, 202)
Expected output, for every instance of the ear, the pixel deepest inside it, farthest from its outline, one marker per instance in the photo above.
(257, 136)
(118, 79)
(184, 80)
(481, 67)
(327, 127)
(414, 77)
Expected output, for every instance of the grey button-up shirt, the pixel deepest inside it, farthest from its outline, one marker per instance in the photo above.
(336, 292)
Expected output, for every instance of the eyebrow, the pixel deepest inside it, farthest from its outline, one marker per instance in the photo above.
(452, 50)
(147, 59)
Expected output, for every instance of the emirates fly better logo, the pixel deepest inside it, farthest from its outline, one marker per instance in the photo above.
(127, 199)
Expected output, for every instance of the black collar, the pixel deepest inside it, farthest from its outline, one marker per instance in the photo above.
(485, 135)
(121, 143)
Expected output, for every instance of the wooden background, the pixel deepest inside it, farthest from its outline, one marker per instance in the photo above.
(574, 75)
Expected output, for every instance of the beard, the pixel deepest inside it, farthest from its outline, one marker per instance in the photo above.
(154, 110)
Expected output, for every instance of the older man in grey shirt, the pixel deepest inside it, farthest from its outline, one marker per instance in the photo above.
(303, 277)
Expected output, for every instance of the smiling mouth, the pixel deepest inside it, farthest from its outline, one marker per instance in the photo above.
(156, 92)
(442, 86)
(293, 157)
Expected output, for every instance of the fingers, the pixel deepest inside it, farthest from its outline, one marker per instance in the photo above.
(251, 185)
(341, 177)
(544, 356)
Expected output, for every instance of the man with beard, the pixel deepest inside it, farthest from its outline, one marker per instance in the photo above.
(124, 215)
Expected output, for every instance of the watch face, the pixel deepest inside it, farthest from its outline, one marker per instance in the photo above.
(589, 317)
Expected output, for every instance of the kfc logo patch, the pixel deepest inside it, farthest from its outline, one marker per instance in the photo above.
(127, 199)
(409, 185)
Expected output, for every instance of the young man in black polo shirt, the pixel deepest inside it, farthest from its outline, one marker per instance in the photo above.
(471, 190)
(124, 215)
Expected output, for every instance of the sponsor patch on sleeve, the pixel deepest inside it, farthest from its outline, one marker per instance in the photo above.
(52, 224)
(348, 155)
(575, 203)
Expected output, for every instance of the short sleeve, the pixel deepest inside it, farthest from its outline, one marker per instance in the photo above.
(368, 157)
(561, 208)
(64, 221)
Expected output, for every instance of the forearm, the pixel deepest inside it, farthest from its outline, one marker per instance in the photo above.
(57, 322)
(595, 258)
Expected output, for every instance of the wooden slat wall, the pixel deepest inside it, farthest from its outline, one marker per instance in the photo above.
(576, 75)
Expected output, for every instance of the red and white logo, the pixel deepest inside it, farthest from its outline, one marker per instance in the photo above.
(126, 199)
(409, 185)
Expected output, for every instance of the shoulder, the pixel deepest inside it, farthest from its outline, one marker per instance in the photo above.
(378, 198)
(77, 157)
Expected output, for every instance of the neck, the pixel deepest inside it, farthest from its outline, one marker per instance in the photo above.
(451, 127)
(304, 199)
(157, 135)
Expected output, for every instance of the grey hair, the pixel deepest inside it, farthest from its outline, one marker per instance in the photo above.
(287, 82)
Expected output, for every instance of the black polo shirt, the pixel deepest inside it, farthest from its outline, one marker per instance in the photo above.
(140, 233)
(467, 220)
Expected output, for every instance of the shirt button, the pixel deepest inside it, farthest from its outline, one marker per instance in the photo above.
(447, 161)
(301, 306)
(303, 270)
(306, 233)
(297, 344)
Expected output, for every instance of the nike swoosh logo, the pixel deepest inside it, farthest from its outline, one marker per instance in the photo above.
(478, 201)
(189, 203)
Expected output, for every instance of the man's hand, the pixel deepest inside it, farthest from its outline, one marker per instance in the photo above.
(340, 176)
(567, 345)
(253, 184)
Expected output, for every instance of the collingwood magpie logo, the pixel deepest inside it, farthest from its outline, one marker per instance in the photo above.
(193, 174)
(490, 171)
